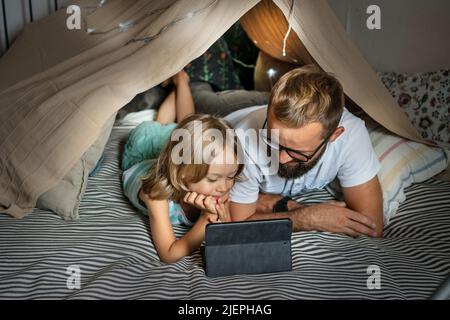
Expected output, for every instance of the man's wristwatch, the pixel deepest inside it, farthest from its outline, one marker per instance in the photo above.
(281, 205)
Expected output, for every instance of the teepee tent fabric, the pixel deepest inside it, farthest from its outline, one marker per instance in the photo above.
(325, 39)
(320, 37)
(59, 86)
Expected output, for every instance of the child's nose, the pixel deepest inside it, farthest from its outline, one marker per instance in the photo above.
(222, 187)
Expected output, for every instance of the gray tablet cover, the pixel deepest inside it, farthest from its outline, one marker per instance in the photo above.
(248, 247)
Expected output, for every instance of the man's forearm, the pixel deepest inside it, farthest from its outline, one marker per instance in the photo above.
(298, 216)
(268, 207)
(325, 217)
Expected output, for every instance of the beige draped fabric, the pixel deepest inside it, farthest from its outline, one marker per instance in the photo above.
(325, 39)
(58, 86)
(318, 36)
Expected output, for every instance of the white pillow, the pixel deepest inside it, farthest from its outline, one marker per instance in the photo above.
(136, 118)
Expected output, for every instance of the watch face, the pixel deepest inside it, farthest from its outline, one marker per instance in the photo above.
(281, 205)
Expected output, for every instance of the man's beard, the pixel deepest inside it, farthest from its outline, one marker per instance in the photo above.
(299, 169)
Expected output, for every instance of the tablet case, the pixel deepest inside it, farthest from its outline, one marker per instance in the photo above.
(248, 247)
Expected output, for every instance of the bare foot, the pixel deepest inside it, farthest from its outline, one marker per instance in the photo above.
(180, 77)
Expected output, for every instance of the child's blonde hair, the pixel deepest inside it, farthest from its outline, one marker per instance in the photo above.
(167, 180)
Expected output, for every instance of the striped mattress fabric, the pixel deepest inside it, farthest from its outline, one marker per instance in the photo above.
(109, 254)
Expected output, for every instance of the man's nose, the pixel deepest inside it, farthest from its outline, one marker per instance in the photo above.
(285, 157)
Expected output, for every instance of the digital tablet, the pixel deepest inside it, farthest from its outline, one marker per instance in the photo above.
(248, 247)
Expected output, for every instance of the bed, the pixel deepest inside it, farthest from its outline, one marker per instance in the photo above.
(111, 247)
(111, 244)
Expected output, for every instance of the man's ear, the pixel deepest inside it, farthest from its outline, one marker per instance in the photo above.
(337, 133)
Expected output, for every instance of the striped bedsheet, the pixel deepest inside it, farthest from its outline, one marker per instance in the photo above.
(112, 249)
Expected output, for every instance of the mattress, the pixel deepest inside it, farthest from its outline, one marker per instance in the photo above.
(111, 248)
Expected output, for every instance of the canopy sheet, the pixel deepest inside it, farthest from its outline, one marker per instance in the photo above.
(59, 86)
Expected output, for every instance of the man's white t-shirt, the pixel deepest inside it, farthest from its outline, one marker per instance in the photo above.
(350, 158)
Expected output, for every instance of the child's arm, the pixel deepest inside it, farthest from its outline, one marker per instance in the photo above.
(169, 248)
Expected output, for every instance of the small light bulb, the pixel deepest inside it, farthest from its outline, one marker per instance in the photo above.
(271, 72)
(124, 26)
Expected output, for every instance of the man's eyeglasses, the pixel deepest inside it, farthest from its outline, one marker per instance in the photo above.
(294, 154)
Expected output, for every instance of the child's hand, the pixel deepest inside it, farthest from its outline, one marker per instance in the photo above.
(223, 212)
(210, 205)
(201, 201)
(225, 198)
(144, 197)
(212, 218)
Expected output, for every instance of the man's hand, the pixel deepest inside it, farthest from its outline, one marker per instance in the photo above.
(266, 201)
(333, 217)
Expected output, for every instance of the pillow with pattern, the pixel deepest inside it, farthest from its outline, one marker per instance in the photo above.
(425, 98)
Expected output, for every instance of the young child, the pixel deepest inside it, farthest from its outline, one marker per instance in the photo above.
(146, 140)
(189, 193)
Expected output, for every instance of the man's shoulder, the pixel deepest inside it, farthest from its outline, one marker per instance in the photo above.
(354, 131)
(351, 122)
(248, 128)
(352, 140)
(251, 118)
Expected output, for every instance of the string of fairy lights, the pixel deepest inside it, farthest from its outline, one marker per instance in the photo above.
(125, 25)
(289, 28)
(271, 72)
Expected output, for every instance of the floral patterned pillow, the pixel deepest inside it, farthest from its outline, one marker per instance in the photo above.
(425, 98)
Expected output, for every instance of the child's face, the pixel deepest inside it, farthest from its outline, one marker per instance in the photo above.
(218, 181)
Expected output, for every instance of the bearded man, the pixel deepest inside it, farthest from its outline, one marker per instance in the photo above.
(317, 140)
